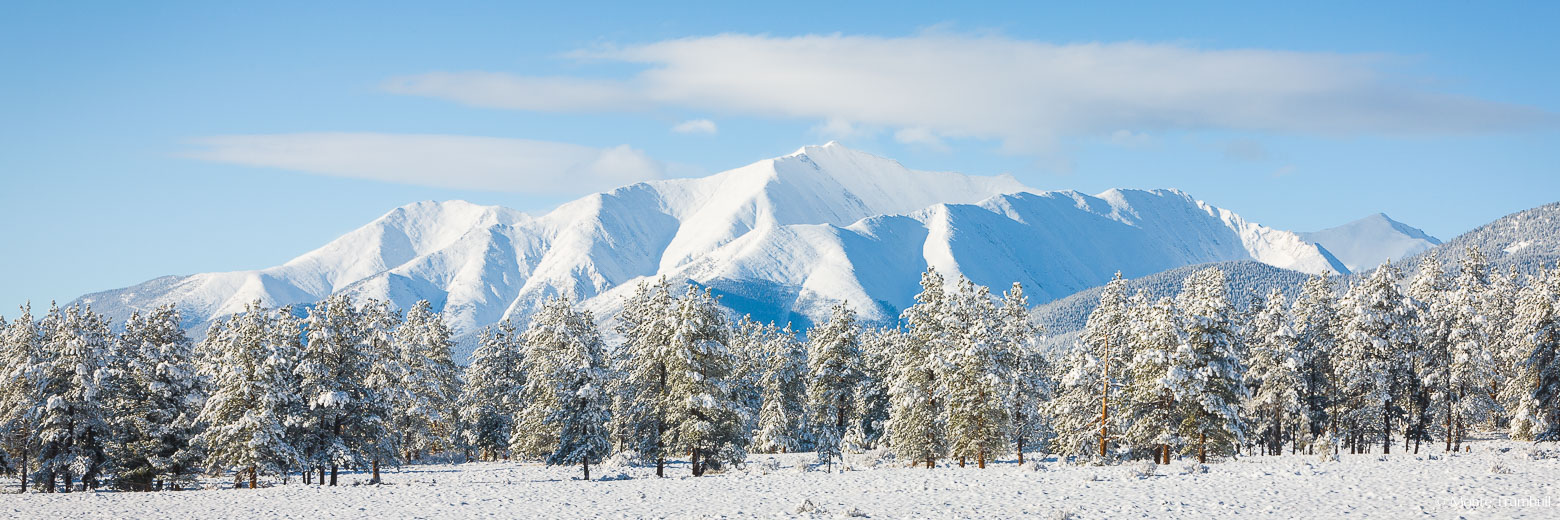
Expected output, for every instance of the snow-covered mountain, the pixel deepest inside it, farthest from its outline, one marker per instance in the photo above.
(1367, 242)
(1525, 241)
(781, 238)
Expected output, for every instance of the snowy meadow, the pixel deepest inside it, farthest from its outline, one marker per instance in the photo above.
(1496, 479)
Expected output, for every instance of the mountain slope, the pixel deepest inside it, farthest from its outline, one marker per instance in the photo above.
(1366, 243)
(782, 238)
(1525, 241)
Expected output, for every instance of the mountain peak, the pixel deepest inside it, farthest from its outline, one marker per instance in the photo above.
(1367, 242)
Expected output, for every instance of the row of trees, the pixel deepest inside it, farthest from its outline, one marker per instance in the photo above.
(270, 392)
(267, 392)
(1429, 359)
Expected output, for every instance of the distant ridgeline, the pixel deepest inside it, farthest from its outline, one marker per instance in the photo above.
(1525, 240)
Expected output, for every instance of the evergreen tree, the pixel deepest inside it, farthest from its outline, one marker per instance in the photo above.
(1205, 372)
(565, 400)
(1276, 385)
(155, 408)
(1150, 410)
(915, 428)
(640, 422)
(1372, 364)
(833, 365)
(21, 392)
(1092, 384)
(426, 418)
(387, 386)
(782, 390)
(1539, 318)
(73, 427)
(249, 360)
(346, 420)
(869, 425)
(702, 418)
(1317, 327)
(977, 374)
(491, 395)
(1028, 384)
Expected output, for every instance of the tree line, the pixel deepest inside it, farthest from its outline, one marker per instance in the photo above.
(275, 394)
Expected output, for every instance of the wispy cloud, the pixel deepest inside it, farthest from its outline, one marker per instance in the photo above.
(442, 161)
(1025, 94)
(695, 126)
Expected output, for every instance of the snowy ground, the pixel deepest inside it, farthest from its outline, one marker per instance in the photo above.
(1498, 479)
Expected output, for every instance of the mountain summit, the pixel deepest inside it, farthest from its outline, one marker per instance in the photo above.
(1367, 242)
(782, 238)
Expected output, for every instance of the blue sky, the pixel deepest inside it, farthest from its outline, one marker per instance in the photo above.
(144, 139)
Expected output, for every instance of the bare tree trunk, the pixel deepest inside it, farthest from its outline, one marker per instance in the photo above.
(253, 477)
(980, 459)
(695, 464)
(585, 462)
(333, 474)
(1386, 428)
(321, 480)
(1202, 448)
(375, 478)
(961, 461)
(24, 470)
(1020, 451)
(1105, 400)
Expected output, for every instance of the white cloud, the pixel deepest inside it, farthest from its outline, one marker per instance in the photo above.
(1025, 94)
(921, 137)
(442, 161)
(695, 126)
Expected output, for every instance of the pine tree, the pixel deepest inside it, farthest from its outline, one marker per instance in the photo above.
(869, 425)
(702, 418)
(915, 428)
(1028, 385)
(1205, 371)
(426, 418)
(1472, 363)
(21, 392)
(387, 386)
(1538, 316)
(782, 390)
(1092, 384)
(1317, 327)
(833, 366)
(977, 371)
(1152, 419)
(346, 420)
(1372, 363)
(1276, 401)
(155, 409)
(641, 374)
(491, 396)
(249, 359)
(565, 400)
(73, 428)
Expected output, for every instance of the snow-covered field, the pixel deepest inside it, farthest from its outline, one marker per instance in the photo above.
(1498, 479)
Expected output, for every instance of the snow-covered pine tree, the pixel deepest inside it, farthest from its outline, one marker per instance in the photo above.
(915, 428)
(73, 428)
(1093, 380)
(1275, 402)
(1538, 318)
(867, 428)
(702, 418)
(976, 374)
(491, 396)
(1505, 342)
(1434, 407)
(1472, 363)
(1205, 372)
(386, 384)
(21, 396)
(345, 419)
(1372, 362)
(834, 369)
(426, 420)
(639, 408)
(1029, 384)
(782, 370)
(155, 412)
(1315, 318)
(1152, 418)
(565, 400)
(248, 359)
